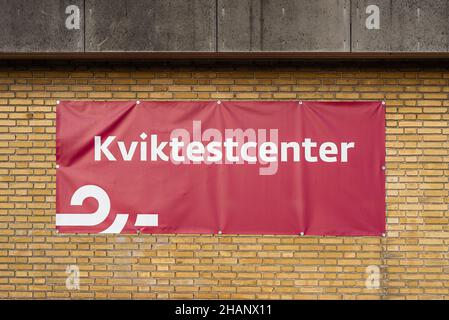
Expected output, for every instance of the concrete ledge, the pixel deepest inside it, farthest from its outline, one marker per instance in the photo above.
(121, 56)
(168, 29)
(150, 25)
(41, 26)
(283, 25)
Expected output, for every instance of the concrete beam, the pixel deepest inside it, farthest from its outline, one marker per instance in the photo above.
(284, 25)
(239, 25)
(224, 26)
(41, 26)
(150, 25)
(402, 26)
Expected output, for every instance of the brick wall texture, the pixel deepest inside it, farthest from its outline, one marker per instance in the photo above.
(413, 258)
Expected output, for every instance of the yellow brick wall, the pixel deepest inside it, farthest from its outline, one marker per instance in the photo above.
(413, 259)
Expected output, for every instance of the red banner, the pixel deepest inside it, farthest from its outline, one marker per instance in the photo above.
(271, 167)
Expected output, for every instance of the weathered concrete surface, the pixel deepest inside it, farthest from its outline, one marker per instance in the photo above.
(284, 25)
(239, 25)
(150, 25)
(39, 26)
(207, 26)
(405, 26)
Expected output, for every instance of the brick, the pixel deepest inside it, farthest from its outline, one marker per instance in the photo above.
(412, 258)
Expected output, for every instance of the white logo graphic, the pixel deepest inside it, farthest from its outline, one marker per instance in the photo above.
(103, 211)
